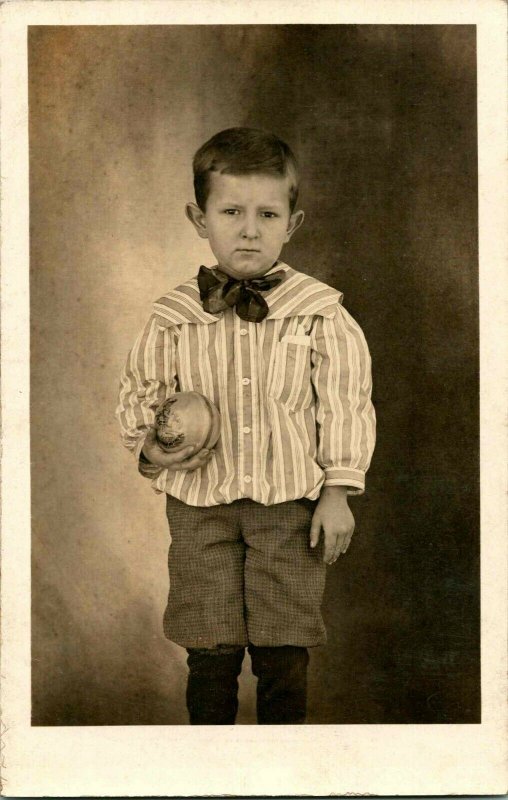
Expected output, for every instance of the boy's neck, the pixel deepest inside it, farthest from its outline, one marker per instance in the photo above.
(276, 266)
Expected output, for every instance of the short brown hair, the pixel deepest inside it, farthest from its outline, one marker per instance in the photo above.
(240, 151)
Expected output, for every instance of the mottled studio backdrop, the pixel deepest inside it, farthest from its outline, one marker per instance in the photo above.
(383, 119)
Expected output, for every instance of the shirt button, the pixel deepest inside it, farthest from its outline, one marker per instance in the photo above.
(245, 381)
(246, 429)
(243, 332)
(247, 478)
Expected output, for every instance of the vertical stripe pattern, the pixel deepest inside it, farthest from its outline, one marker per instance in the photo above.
(294, 394)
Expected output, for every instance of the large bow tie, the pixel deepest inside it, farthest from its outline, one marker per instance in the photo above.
(219, 291)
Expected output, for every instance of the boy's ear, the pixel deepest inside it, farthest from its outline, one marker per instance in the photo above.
(197, 217)
(295, 220)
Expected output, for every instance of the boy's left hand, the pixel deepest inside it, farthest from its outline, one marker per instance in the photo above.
(334, 517)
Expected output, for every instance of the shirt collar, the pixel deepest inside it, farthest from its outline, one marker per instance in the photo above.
(297, 295)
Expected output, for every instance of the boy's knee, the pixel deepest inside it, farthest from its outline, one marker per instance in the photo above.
(278, 659)
(220, 662)
(218, 650)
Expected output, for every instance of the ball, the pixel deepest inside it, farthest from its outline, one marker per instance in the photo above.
(187, 419)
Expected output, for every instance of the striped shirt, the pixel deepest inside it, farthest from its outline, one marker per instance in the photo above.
(293, 391)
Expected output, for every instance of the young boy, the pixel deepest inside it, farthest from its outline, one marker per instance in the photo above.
(255, 521)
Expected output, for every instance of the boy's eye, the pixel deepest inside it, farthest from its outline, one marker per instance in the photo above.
(269, 214)
(231, 211)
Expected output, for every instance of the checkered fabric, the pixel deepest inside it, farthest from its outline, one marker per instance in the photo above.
(244, 572)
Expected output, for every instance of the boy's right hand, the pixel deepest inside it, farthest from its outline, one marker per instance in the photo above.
(172, 461)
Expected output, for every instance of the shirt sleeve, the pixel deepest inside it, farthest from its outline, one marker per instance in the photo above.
(148, 378)
(345, 416)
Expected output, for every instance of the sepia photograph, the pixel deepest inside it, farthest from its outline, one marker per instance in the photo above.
(254, 389)
(380, 122)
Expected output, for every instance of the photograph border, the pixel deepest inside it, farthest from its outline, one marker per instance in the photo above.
(312, 760)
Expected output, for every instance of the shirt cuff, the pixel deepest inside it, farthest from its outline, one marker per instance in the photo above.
(139, 446)
(145, 467)
(354, 479)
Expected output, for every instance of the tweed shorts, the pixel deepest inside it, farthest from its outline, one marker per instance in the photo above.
(244, 572)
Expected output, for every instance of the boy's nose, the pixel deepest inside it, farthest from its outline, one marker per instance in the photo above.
(250, 228)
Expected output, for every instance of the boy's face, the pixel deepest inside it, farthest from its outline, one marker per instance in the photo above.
(247, 221)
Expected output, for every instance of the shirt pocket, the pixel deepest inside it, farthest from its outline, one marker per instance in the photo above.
(290, 383)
